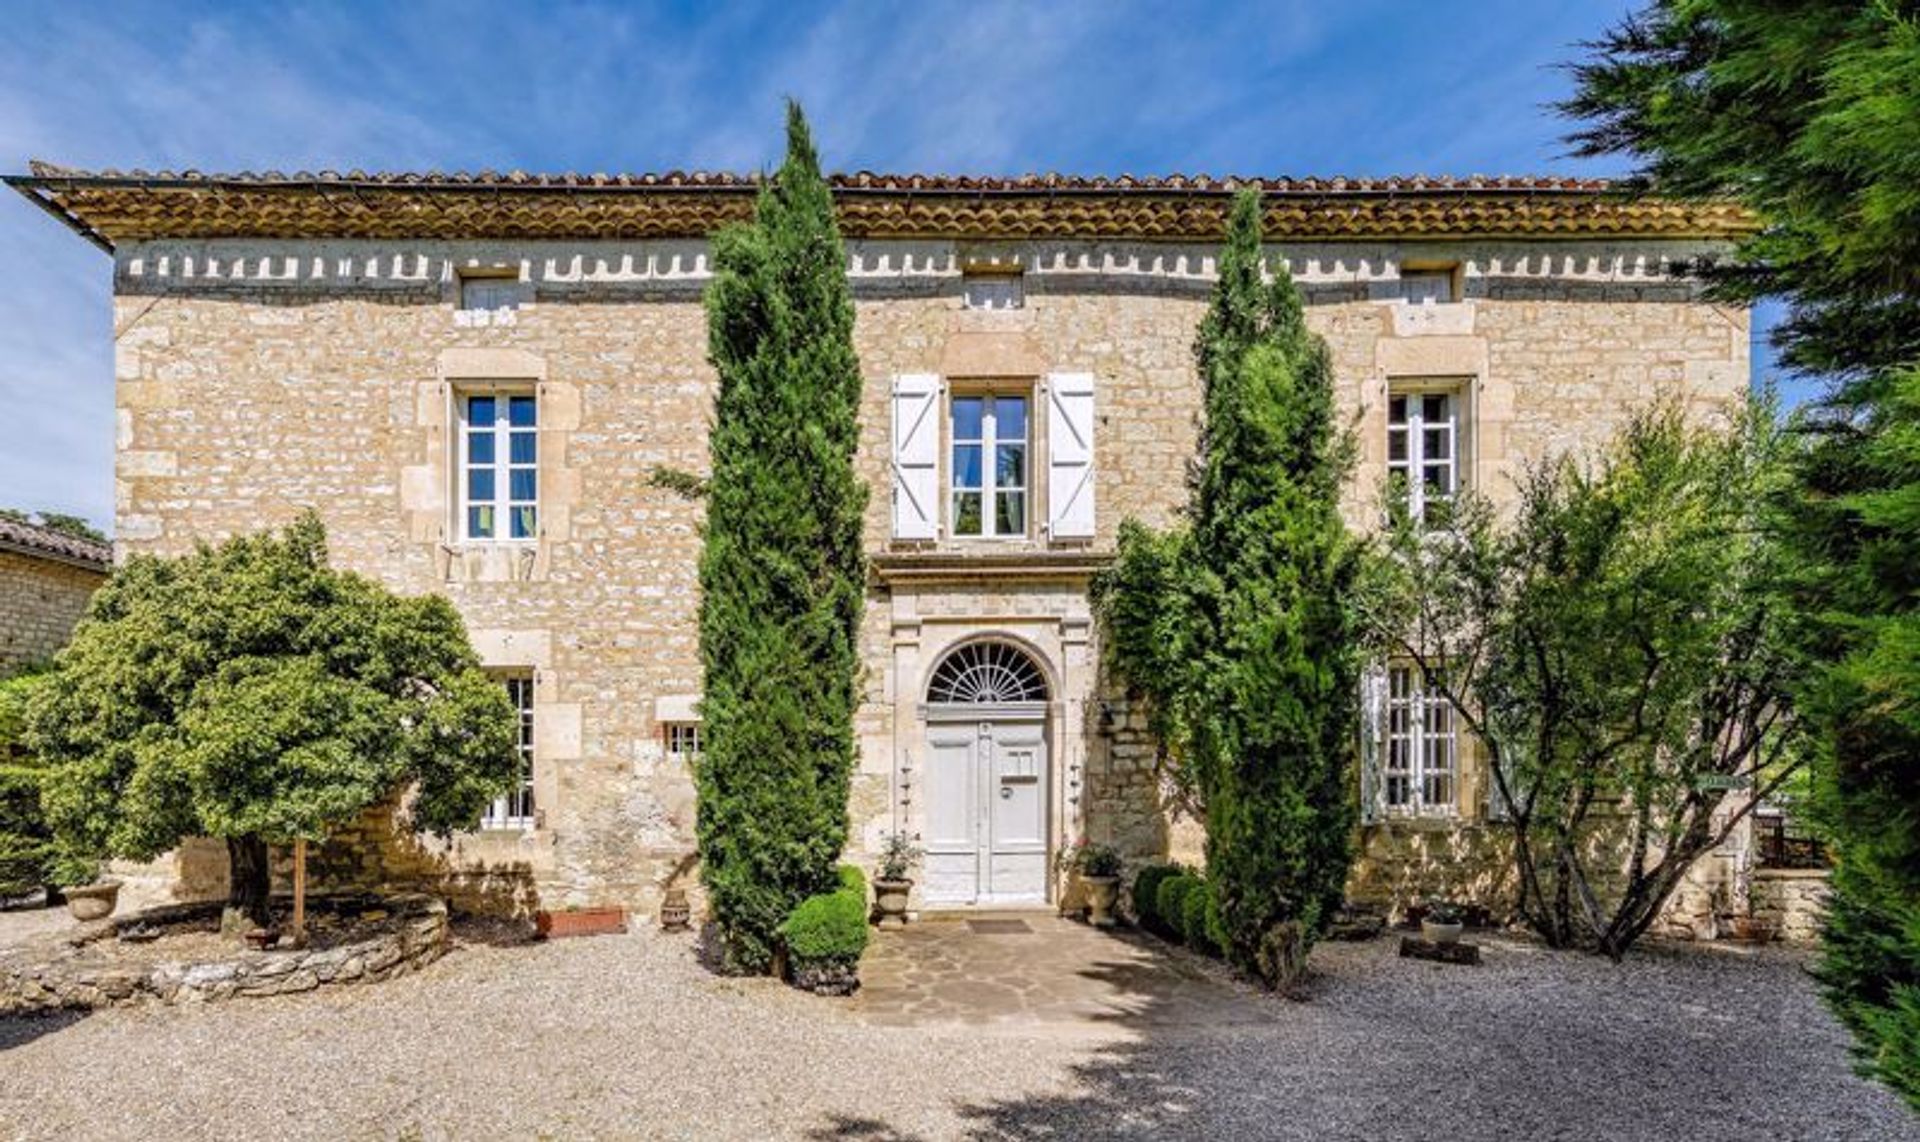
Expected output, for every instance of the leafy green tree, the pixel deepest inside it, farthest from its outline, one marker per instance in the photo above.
(250, 692)
(1620, 650)
(29, 858)
(1237, 630)
(782, 574)
(72, 525)
(1810, 114)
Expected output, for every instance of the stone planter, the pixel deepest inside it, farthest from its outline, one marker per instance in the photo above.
(1434, 932)
(1753, 929)
(1102, 891)
(890, 901)
(93, 901)
(580, 922)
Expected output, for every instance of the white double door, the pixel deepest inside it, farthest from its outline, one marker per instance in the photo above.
(986, 789)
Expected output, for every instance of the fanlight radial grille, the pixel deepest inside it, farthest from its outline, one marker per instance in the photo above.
(987, 672)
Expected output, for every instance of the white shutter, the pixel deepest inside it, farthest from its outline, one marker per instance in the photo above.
(916, 456)
(1373, 736)
(1070, 456)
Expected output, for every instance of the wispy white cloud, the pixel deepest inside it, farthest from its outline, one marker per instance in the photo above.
(1282, 86)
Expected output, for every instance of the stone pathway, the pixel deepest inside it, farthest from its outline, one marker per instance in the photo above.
(1025, 969)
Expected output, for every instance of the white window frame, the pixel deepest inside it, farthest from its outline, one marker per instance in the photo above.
(502, 431)
(681, 741)
(993, 290)
(1420, 751)
(515, 810)
(1414, 427)
(989, 442)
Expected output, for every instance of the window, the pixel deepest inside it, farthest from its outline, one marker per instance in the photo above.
(683, 742)
(489, 293)
(1429, 285)
(515, 810)
(999, 289)
(1423, 449)
(989, 472)
(499, 467)
(1421, 763)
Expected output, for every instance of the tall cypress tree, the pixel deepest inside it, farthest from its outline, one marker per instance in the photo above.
(1810, 114)
(781, 573)
(1239, 630)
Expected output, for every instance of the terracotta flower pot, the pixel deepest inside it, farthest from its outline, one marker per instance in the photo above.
(1435, 932)
(1102, 891)
(580, 922)
(890, 901)
(93, 901)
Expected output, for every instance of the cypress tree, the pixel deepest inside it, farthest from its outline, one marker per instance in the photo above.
(1247, 653)
(781, 573)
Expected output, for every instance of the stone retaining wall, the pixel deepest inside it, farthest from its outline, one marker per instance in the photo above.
(49, 977)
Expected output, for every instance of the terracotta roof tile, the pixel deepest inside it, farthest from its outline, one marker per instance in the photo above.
(112, 206)
(32, 539)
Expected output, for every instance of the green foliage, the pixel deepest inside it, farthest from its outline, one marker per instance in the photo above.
(830, 928)
(1201, 922)
(1238, 630)
(1624, 638)
(1170, 902)
(782, 575)
(1810, 114)
(28, 855)
(1146, 893)
(250, 691)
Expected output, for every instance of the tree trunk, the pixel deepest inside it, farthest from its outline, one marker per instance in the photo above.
(248, 884)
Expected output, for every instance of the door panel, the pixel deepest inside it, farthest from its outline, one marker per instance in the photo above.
(1017, 836)
(953, 814)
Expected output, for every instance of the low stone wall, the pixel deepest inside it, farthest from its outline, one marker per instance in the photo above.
(53, 975)
(1795, 898)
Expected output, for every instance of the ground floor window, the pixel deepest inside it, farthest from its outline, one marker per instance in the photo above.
(515, 810)
(1420, 761)
(683, 742)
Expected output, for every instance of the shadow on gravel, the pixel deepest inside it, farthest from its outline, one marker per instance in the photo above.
(19, 1030)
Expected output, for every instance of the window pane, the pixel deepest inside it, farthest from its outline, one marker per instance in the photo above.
(1010, 418)
(480, 411)
(523, 447)
(1397, 410)
(1434, 408)
(523, 523)
(1010, 513)
(521, 484)
(1437, 443)
(967, 417)
(966, 513)
(480, 447)
(1397, 444)
(520, 411)
(1010, 469)
(479, 483)
(1440, 478)
(480, 523)
(966, 466)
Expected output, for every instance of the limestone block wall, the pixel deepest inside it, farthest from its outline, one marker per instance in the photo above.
(257, 378)
(40, 601)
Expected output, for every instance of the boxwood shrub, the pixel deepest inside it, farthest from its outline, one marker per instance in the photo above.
(1170, 902)
(1146, 887)
(826, 934)
(1200, 921)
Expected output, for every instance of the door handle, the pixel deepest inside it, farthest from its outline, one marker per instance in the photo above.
(1006, 792)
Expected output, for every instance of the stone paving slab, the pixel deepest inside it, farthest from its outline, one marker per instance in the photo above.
(956, 969)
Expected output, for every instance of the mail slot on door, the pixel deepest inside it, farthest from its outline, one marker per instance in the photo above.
(1019, 765)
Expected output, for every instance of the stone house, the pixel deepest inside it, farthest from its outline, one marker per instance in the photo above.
(46, 578)
(473, 378)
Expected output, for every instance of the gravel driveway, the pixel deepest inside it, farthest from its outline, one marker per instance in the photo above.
(629, 1037)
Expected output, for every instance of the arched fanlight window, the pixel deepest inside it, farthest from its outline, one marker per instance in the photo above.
(987, 672)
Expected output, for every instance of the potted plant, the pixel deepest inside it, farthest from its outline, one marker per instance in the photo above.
(1099, 867)
(891, 884)
(1442, 923)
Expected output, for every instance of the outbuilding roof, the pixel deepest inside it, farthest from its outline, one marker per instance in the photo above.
(60, 546)
(109, 207)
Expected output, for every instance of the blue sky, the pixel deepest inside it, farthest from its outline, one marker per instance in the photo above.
(1364, 87)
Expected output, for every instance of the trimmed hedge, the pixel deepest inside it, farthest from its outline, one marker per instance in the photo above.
(1170, 902)
(1146, 886)
(1185, 909)
(831, 928)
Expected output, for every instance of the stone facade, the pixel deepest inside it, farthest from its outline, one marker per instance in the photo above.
(257, 377)
(45, 582)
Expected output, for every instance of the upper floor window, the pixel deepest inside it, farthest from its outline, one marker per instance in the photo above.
(683, 742)
(1423, 449)
(488, 293)
(997, 289)
(989, 469)
(515, 810)
(499, 466)
(1420, 285)
(1421, 762)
